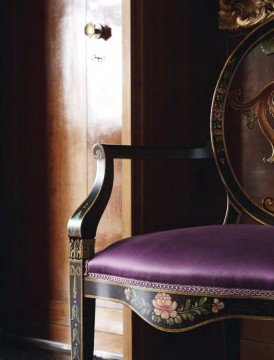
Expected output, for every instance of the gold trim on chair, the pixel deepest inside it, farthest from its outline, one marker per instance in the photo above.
(259, 109)
(184, 290)
(81, 248)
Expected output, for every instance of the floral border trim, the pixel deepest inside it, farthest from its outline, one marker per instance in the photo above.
(199, 290)
(218, 110)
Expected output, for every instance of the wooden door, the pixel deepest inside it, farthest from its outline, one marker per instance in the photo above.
(62, 93)
(45, 160)
(104, 101)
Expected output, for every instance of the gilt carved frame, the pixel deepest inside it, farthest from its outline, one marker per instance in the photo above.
(235, 15)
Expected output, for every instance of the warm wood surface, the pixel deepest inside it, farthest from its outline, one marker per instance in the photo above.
(66, 147)
(127, 324)
(47, 167)
(49, 125)
(257, 340)
(258, 330)
(109, 320)
(46, 154)
(29, 349)
(104, 108)
(110, 343)
(126, 164)
(253, 350)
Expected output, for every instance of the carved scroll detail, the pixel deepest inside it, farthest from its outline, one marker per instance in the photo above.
(268, 204)
(81, 248)
(267, 46)
(260, 109)
(237, 14)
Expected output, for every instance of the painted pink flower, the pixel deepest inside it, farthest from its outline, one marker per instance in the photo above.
(127, 293)
(164, 306)
(217, 305)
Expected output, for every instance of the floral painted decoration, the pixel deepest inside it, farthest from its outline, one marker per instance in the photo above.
(162, 309)
(217, 305)
(127, 293)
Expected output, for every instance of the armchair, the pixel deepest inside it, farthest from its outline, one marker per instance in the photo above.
(206, 273)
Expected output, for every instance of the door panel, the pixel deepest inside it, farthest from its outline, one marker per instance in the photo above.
(59, 101)
(104, 124)
(104, 105)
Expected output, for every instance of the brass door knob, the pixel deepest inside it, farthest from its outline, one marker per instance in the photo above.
(98, 31)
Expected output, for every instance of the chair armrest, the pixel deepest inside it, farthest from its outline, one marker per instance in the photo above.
(154, 152)
(84, 222)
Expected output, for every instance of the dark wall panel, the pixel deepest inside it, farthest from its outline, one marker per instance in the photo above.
(177, 54)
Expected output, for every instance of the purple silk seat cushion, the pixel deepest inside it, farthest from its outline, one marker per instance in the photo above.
(230, 256)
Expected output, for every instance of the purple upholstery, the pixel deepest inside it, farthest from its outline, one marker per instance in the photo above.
(230, 256)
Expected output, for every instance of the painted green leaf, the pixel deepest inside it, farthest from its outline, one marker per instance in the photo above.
(251, 117)
(190, 316)
(187, 304)
(203, 310)
(202, 301)
(178, 319)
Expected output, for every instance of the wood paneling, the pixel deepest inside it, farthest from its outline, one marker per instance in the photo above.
(257, 339)
(177, 52)
(45, 159)
(110, 343)
(258, 330)
(57, 104)
(47, 132)
(104, 84)
(66, 141)
(172, 84)
(252, 350)
(104, 112)
(109, 320)
(127, 179)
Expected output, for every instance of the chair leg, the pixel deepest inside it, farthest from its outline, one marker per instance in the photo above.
(88, 328)
(232, 339)
(82, 315)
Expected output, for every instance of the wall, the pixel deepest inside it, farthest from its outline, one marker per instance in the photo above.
(177, 53)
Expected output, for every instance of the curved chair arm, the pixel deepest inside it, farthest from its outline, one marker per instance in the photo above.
(84, 221)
